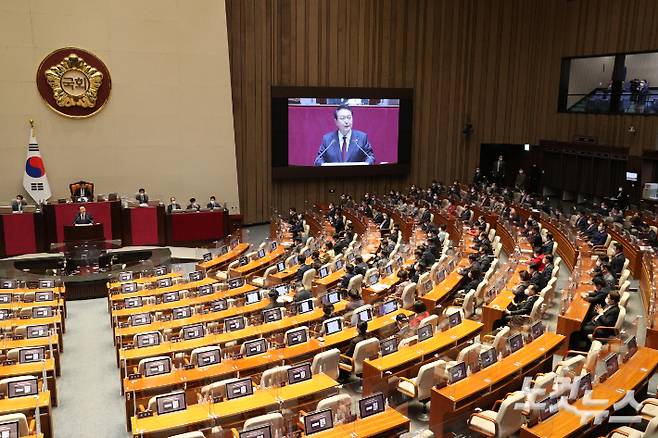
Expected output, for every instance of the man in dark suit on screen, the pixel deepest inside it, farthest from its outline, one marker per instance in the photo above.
(83, 218)
(344, 145)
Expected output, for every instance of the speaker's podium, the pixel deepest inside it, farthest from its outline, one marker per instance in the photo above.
(83, 233)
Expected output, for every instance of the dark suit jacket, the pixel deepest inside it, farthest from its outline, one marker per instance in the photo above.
(15, 205)
(142, 198)
(608, 318)
(617, 264)
(385, 224)
(547, 248)
(78, 193)
(525, 306)
(211, 206)
(300, 272)
(598, 296)
(599, 238)
(358, 150)
(345, 281)
(536, 241)
(196, 207)
(171, 207)
(88, 219)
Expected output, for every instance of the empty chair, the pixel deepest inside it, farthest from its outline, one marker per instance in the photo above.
(408, 296)
(432, 320)
(260, 281)
(243, 347)
(423, 278)
(355, 283)
(570, 367)
(467, 307)
(628, 432)
(291, 261)
(326, 362)
(498, 340)
(370, 272)
(420, 387)
(405, 342)
(624, 298)
(623, 287)
(470, 355)
(155, 333)
(142, 363)
(307, 279)
(273, 377)
(502, 423)
(492, 234)
(542, 386)
(23, 427)
(340, 405)
(194, 355)
(274, 420)
(355, 314)
(624, 276)
(215, 389)
(368, 348)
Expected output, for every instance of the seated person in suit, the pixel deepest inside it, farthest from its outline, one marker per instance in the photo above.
(83, 218)
(303, 267)
(519, 289)
(349, 274)
(548, 268)
(604, 315)
(142, 197)
(328, 254)
(598, 296)
(536, 277)
(617, 261)
(524, 308)
(385, 225)
(548, 245)
(606, 275)
(600, 236)
(173, 205)
(213, 204)
(402, 329)
(354, 300)
(83, 193)
(273, 296)
(18, 204)
(302, 294)
(362, 328)
(345, 145)
(328, 312)
(473, 264)
(193, 205)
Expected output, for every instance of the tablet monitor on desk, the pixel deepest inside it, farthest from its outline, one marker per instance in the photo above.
(318, 421)
(252, 297)
(192, 331)
(223, 250)
(46, 295)
(254, 347)
(373, 279)
(338, 264)
(454, 319)
(631, 347)
(196, 275)
(271, 315)
(282, 289)
(5, 314)
(425, 332)
(351, 257)
(159, 270)
(10, 430)
(324, 271)
(243, 261)
(388, 270)
(42, 312)
(388, 346)
(261, 253)
(164, 282)
(235, 323)
(371, 405)
(296, 336)
(239, 388)
(206, 358)
(579, 386)
(218, 305)
(125, 276)
(140, 319)
(259, 432)
(50, 283)
(5, 298)
(515, 342)
(206, 289)
(281, 266)
(611, 364)
(387, 307)
(7, 284)
(457, 372)
(29, 355)
(207, 257)
(147, 340)
(170, 297)
(234, 283)
(273, 245)
(156, 367)
(37, 331)
(305, 306)
(299, 373)
(487, 357)
(427, 286)
(536, 330)
(547, 407)
(440, 275)
(330, 298)
(128, 287)
(23, 388)
(173, 402)
(333, 325)
(234, 242)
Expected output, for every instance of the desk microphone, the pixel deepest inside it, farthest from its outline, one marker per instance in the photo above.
(325, 149)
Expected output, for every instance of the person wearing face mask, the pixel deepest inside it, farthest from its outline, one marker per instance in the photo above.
(173, 205)
(603, 316)
(622, 198)
(600, 236)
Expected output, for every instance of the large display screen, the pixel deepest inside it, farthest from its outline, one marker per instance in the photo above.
(339, 131)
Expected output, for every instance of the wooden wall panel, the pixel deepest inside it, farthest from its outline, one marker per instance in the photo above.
(495, 63)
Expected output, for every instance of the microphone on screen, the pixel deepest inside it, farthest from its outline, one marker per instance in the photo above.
(363, 150)
(325, 149)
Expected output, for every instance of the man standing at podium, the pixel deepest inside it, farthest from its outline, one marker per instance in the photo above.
(83, 218)
(344, 145)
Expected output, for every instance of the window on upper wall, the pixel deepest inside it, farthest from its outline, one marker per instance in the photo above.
(610, 84)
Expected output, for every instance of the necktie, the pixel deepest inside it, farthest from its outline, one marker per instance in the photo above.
(344, 148)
